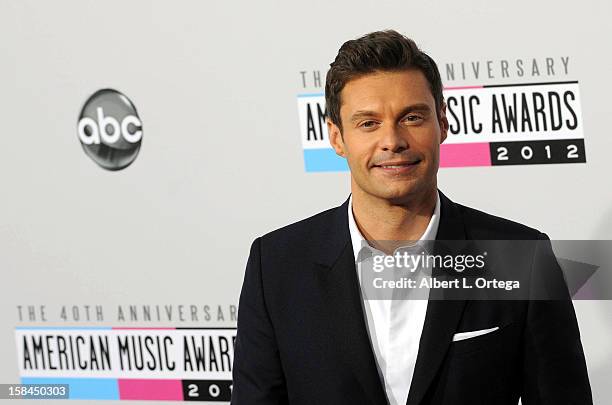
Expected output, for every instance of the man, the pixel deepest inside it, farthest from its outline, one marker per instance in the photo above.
(308, 334)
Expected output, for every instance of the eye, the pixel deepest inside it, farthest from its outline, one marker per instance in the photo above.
(367, 124)
(413, 118)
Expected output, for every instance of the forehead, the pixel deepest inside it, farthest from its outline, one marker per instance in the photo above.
(380, 90)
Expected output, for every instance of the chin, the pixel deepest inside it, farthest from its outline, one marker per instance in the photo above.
(404, 194)
(397, 196)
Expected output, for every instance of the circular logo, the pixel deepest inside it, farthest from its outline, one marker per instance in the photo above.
(110, 130)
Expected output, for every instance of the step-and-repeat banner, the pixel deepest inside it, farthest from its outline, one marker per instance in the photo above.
(146, 144)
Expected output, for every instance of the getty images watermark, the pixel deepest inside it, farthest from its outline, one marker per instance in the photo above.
(485, 269)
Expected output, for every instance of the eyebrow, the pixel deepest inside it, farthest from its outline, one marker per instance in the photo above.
(422, 107)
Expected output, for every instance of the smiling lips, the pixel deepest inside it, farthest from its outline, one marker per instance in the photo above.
(397, 167)
(404, 164)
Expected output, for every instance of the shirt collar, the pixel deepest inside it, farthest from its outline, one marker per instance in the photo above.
(357, 238)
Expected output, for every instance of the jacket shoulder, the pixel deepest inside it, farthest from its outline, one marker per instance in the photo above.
(295, 234)
(483, 225)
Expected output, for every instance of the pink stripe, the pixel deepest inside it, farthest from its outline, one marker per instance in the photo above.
(465, 154)
(463, 87)
(120, 328)
(168, 390)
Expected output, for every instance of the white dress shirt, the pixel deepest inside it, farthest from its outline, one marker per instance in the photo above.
(394, 326)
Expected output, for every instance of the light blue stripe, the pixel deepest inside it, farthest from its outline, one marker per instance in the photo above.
(311, 95)
(63, 328)
(82, 388)
(324, 160)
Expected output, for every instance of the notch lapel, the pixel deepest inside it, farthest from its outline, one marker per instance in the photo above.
(338, 283)
(442, 316)
(336, 277)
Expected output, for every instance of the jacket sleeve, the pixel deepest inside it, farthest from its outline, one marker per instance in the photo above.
(257, 372)
(554, 368)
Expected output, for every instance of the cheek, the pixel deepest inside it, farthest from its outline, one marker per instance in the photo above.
(359, 153)
(428, 144)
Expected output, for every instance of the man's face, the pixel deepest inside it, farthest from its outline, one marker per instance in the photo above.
(391, 135)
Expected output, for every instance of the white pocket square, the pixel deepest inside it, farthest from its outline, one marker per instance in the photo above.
(471, 334)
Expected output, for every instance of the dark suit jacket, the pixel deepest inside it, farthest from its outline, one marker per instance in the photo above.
(302, 337)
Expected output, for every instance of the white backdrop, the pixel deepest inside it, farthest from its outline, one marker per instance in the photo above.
(221, 162)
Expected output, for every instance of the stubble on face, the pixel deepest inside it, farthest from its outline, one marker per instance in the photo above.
(391, 135)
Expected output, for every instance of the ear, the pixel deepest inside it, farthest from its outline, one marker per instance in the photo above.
(443, 121)
(335, 138)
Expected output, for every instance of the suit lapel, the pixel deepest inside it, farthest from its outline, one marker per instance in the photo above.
(337, 279)
(442, 316)
(339, 286)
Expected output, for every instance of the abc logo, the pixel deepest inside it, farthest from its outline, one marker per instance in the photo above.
(110, 130)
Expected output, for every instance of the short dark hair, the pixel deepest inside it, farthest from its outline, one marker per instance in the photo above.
(377, 51)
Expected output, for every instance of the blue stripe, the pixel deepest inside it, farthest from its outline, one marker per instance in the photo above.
(311, 95)
(82, 388)
(324, 160)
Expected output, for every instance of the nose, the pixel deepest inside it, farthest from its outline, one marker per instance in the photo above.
(393, 140)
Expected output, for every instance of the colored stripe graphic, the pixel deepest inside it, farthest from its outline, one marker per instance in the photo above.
(63, 328)
(311, 95)
(82, 388)
(128, 328)
(168, 390)
(324, 160)
(463, 87)
(488, 86)
(465, 154)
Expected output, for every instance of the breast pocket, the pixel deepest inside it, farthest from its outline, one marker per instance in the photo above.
(492, 340)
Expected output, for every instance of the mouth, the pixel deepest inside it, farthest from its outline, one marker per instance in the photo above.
(403, 165)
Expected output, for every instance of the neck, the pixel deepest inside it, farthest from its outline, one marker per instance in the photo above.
(381, 220)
